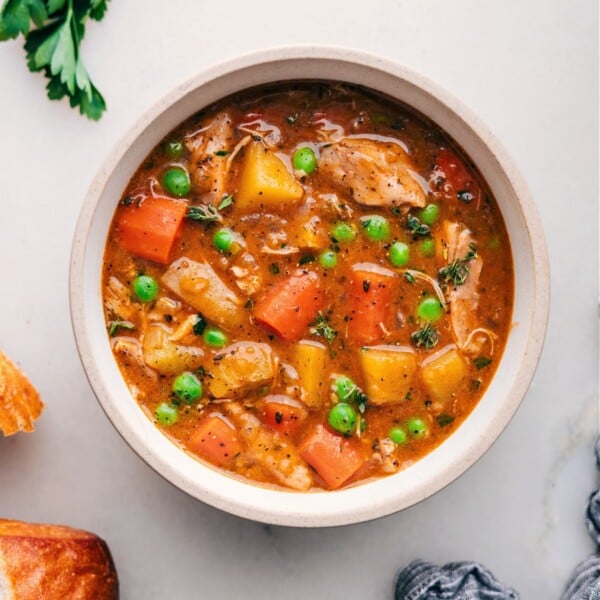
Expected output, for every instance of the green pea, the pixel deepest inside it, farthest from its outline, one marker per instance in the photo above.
(145, 288)
(187, 387)
(223, 240)
(342, 417)
(343, 232)
(214, 337)
(177, 182)
(344, 387)
(427, 247)
(430, 214)
(376, 227)
(304, 159)
(397, 435)
(430, 309)
(174, 148)
(399, 254)
(416, 427)
(166, 414)
(328, 259)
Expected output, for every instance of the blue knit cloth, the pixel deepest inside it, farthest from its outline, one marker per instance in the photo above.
(421, 580)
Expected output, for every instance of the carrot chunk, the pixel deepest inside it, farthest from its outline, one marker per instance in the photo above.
(333, 457)
(282, 414)
(216, 440)
(149, 229)
(290, 306)
(371, 294)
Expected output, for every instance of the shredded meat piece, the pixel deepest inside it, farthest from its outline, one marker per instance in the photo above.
(372, 173)
(464, 299)
(277, 456)
(209, 170)
(117, 300)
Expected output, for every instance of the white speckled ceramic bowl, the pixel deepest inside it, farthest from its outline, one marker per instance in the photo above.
(375, 498)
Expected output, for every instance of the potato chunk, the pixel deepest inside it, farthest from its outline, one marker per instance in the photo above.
(164, 355)
(309, 359)
(199, 285)
(265, 181)
(240, 368)
(443, 373)
(388, 372)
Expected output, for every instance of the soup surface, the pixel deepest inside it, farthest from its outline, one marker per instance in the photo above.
(307, 285)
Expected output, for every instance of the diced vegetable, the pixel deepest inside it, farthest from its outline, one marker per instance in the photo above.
(333, 457)
(388, 372)
(443, 373)
(283, 414)
(149, 230)
(216, 440)
(290, 306)
(240, 368)
(265, 181)
(166, 356)
(310, 358)
(308, 234)
(371, 293)
(199, 285)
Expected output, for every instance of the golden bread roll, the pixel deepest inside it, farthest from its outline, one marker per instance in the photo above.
(20, 404)
(52, 562)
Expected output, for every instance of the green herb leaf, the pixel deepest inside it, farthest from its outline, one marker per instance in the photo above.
(199, 325)
(444, 419)
(458, 271)
(322, 328)
(416, 227)
(114, 326)
(481, 362)
(409, 277)
(274, 268)
(54, 46)
(222, 152)
(307, 258)
(427, 337)
(225, 202)
(206, 213)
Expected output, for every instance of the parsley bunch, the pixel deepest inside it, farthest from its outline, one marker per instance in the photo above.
(53, 46)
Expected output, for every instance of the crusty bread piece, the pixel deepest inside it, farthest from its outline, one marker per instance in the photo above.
(20, 403)
(52, 562)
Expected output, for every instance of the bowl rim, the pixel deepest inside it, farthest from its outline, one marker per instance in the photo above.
(541, 286)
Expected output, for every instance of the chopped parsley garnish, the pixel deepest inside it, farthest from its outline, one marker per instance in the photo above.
(321, 327)
(226, 201)
(444, 419)
(409, 277)
(222, 152)
(116, 325)
(307, 258)
(416, 227)
(427, 337)
(199, 325)
(481, 362)
(274, 268)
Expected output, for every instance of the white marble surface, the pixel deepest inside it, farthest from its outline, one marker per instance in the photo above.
(530, 70)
